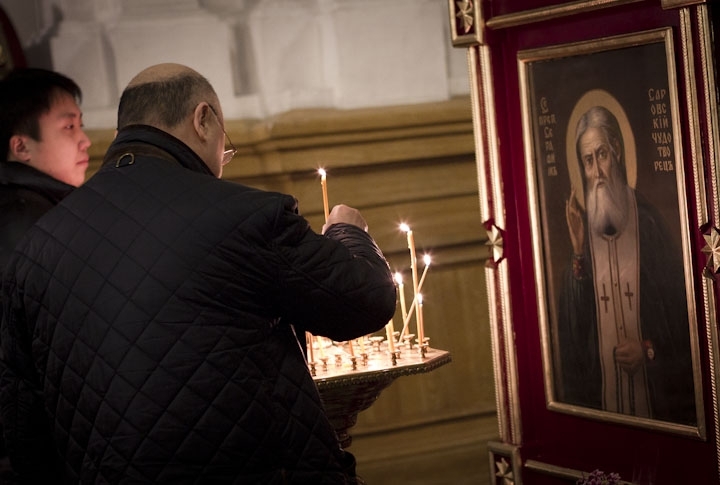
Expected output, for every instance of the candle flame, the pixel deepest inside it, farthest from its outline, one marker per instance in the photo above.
(404, 227)
(322, 172)
(426, 259)
(398, 278)
(419, 298)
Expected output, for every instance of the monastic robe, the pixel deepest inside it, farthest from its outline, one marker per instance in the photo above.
(656, 278)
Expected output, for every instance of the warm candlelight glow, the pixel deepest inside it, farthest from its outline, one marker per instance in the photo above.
(323, 184)
(426, 260)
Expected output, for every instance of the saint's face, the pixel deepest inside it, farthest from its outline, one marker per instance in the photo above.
(606, 199)
(61, 151)
(596, 156)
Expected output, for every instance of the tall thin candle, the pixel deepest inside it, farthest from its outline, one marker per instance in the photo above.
(309, 343)
(390, 330)
(413, 265)
(427, 260)
(401, 291)
(323, 184)
(421, 326)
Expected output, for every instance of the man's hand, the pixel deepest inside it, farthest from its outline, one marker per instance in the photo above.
(345, 214)
(630, 356)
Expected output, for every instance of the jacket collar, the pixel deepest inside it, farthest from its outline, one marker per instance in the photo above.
(19, 174)
(156, 142)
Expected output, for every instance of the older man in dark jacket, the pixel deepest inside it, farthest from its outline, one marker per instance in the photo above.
(147, 318)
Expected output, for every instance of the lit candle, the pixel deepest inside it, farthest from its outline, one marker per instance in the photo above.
(427, 261)
(401, 290)
(413, 265)
(390, 330)
(362, 345)
(350, 346)
(407, 315)
(309, 343)
(323, 184)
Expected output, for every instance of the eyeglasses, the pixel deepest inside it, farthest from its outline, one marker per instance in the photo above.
(227, 154)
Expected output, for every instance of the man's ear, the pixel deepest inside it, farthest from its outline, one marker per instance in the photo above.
(201, 120)
(18, 149)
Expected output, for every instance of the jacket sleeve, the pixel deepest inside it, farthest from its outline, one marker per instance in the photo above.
(337, 285)
(26, 431)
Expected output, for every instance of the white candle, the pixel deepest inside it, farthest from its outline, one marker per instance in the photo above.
(414, 304)
(390, 330)
(401, 290)
(323, 184)
(413, 266)
(321, 346)
(420, 325)
(427, 261)
(309, 344)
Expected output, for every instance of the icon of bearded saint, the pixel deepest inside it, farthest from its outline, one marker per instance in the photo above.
(622, 320)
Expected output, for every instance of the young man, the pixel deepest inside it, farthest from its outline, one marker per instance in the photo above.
(43, 148)
(43, 156)
(162, 306)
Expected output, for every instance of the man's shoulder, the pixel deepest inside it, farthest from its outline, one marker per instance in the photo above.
(650, 219)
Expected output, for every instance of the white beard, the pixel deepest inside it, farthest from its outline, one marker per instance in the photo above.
(607, 208)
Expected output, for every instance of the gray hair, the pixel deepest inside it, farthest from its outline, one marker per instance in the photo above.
(163, 103)
(602, 119)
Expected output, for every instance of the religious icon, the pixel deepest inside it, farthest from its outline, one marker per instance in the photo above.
(608, 203)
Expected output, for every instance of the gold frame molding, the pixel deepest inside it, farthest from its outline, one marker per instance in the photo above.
(560, 472)
(708, 83)
(549, 13)
(469, 14)
(505, 463)
(496, 271)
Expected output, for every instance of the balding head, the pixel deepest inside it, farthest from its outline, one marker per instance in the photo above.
(163, 95)
(178, 100)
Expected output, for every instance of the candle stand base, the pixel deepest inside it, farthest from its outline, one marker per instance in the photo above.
(348, 389)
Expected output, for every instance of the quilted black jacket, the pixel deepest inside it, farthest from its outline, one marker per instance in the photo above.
(25, 195)
(146, 328)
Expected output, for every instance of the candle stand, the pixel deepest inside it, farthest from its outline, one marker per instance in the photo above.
(350, 384)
